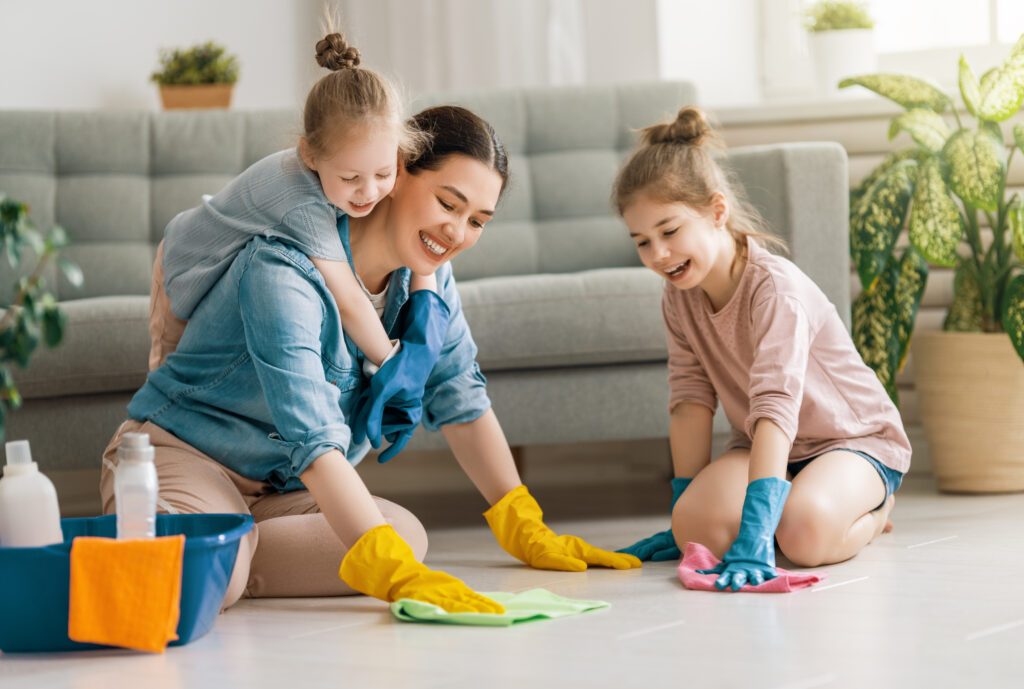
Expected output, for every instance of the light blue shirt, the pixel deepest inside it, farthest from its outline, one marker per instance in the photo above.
(276, 197)
(264, 378)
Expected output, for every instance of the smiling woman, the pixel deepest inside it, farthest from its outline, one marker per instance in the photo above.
(261, 408)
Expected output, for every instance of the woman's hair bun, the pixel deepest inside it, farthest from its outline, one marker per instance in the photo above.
(690, 127)
(334, 53)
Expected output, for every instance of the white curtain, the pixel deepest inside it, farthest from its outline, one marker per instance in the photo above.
(469, 44)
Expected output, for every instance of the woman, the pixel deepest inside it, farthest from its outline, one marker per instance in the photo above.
(256, 402)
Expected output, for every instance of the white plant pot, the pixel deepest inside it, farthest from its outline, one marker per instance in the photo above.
(841, 54)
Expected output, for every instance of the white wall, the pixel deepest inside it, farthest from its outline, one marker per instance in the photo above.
(83, 54)
(715, 45)
(86, 54)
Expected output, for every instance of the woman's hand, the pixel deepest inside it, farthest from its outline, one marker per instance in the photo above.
(382, 565)
(516, 521)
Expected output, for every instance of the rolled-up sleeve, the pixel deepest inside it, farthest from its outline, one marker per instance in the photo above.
(282, 315)
(456, 390)
(782, 335)
(688, 381)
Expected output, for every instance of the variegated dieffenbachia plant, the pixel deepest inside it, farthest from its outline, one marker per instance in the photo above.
(939, 190)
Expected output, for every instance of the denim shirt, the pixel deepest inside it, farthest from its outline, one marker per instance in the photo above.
(264, 376)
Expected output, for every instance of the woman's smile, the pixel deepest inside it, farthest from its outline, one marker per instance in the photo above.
(434, 248)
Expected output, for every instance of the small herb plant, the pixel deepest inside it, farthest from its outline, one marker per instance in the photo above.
(207, 63)
(834, 15)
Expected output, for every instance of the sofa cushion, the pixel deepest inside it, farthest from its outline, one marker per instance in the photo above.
(105, 349)
(604, 316)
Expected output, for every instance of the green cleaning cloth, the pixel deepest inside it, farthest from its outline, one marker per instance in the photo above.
(535, 604)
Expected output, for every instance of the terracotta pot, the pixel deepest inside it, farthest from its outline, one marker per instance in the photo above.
(196, 96)
(970, 389)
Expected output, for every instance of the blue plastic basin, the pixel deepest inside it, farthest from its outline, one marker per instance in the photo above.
(35, 582)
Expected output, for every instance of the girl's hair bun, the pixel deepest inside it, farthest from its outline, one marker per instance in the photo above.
(334, 53)
(690, 127)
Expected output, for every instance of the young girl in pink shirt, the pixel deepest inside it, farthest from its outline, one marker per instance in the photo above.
(817, 447)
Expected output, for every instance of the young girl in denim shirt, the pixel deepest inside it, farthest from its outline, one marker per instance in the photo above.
(817, 447)
(352, 149)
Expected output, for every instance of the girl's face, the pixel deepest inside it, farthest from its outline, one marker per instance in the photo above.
(682, 245)
(436, 214)
(360, 172)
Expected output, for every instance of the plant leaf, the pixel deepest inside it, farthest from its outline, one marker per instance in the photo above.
(1002, 88)
(910, 153)
(1015, 220)
(1018, 136)
(913, 276)
(970, 90)
(935, 225)
(54, 323)
(925, 127)
(976, 167)
(910, 92)
(71, 271)
(878, 217)
(967, 312)
(1013, 313)
(874, 329)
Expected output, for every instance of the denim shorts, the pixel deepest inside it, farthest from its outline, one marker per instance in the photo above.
(890, 477)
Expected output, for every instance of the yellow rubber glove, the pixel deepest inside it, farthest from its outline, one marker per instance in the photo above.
(516, 523)
(381, 564)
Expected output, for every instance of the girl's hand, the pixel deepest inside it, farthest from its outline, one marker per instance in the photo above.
(751, 559)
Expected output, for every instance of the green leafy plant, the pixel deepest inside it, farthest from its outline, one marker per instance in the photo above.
(834, 15)
(207, 63)
(940, 190)
(34, 315)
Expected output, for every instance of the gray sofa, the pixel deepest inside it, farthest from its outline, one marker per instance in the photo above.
(567, 322)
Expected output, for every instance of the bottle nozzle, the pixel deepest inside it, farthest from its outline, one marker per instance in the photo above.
(18, 452)
(135, 447)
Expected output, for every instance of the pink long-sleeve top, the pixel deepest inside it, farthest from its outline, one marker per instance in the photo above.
(778, 350)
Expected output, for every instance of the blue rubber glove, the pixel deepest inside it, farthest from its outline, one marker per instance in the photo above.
(391, 406)
(751, 559)
(662, 545)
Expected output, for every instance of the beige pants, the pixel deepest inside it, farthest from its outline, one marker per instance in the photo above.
(292, 551)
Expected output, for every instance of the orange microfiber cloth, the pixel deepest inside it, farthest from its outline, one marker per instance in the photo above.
(125, 593)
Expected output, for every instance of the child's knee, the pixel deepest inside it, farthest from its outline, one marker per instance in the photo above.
(808, 531)
(712, 528)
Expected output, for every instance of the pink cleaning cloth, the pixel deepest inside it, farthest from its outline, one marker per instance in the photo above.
(698, 557)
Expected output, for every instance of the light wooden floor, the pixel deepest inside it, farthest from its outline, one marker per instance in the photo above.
(936, 603)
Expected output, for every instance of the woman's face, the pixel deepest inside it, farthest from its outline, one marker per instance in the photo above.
(437, 214)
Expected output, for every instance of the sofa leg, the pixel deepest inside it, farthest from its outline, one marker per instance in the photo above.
(518, 456)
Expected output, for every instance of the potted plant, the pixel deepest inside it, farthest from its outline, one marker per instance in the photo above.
(949, 191)
(842, 42)
(33, 314)
(202, 76)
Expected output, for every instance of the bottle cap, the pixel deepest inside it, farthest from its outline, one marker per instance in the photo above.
(135, 447)
(19, 459)
(18, 452)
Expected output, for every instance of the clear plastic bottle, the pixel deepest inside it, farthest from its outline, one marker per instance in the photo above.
(29, 513)
(135, 487)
